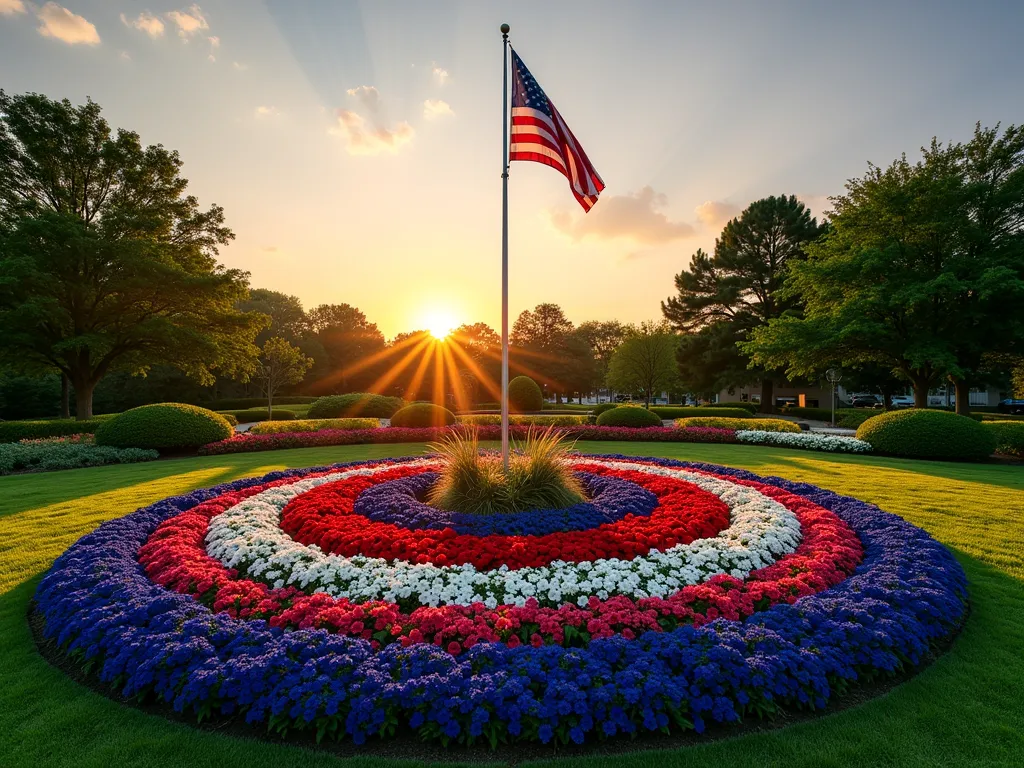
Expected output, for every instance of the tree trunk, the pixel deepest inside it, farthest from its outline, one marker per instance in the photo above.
(270, 407)
(65, 397)
(921, 393)
(963, 397)
(83, 400)
(886, 398)
(767, 396)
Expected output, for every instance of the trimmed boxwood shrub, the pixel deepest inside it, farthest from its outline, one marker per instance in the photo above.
(164, 425)
(748, 424)
(311, 425)
(423, 415)
(1009, 436)
(355, 405)
(524, 395)
(629, 416)
(557, 420)
(928, 434)
(689, 412)
(231, 419)
(260, 414)
(748, 407)
(597, 410)
(245, 403)
(13, 431)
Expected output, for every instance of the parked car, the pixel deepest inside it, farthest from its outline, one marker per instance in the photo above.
(865, 401)
(1010, 406)
(902, 401)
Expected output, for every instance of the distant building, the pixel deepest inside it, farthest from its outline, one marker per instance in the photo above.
(816, 396)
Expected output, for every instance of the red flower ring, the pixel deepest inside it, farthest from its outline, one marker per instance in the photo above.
(175, 557)
(324, 516)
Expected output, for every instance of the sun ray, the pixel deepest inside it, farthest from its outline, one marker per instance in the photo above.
(492, 387)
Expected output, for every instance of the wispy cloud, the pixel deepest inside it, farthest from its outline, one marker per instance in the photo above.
(440, 73)
(145, 22)
(636, 217)
(266, 111)
(11, 7)
(365, 139)
(714, 213)
(61, 24)
(189, 21)
(239, 66)
(435, 108)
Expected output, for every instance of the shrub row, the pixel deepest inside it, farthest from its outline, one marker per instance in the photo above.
(1009, 436)
(13, 431)
(749, 424)
(688, 411)
(38, 457)
(749, 407)
(245, 443)
(490, 419)
(928, 434)
(355, 405)
(259, 414)
(168, 426)
(311, 425)
(244, 403)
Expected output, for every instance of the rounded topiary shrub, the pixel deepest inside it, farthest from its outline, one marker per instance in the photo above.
(1009, 436)
(524, 395)
(354, 405)
(628, 416)
(251, 415)
(423, 415)
(164, 425)
(597, 410)
(927, 434)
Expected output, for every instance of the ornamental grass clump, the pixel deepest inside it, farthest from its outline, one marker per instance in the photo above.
(538, 477)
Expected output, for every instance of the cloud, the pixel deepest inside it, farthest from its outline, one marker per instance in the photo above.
(125, 56)
(364, 139)
(368, 95)
(11, 7)
(435, 108)
(440, 73)
(714, 213)
(145, 22)
(189, 21)
(214, 41)
(635, 217)
(265, 111)
(61, 24)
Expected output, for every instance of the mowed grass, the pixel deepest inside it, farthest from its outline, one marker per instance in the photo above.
(966, 709)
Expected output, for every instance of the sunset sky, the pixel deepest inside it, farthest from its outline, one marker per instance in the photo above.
(356, 146)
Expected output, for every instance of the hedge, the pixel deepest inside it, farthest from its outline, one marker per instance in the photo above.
(41, 457)
(244, 403)
(629, 416)
(524, 395)
(748, 424)
(164, 425)
(311, 425)
(422, 415)
(749, 407)
(245, 443)
(687, 411)
(260, 414)
(13, 431)
(928, 434)
(1009, 436)
(489, 419)
(355, 405)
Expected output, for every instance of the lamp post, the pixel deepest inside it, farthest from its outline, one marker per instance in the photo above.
(834, 375)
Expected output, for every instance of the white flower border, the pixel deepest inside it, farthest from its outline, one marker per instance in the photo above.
(814, 441)
(248, 537)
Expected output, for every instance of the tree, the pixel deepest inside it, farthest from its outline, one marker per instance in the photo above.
(645, 362)
(543, 347)
(739, 288)
(287, 317)
(350, 342)
(105, 262)
(280, 365)
(922, 273)
(602, 337)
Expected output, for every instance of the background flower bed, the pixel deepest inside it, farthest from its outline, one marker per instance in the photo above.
(244, 443)
(813, 441)
(51, 455)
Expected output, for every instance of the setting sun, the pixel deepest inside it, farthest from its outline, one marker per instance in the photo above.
(440, 323)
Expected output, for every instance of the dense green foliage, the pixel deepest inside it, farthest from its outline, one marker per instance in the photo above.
(166, 426)
(281, 364)
(1009, 436)
(47, 456)
(629, 416)
(645, 362)
(13, 431)
(524, 395)
(928, 434)
(355, 405)
(311, 425)
(422, 415)
(538, 476)
(545, 346)
(752, 407)
(600, 408)
(245, 403)
(763, 425)
(251, 415)
(686, 411)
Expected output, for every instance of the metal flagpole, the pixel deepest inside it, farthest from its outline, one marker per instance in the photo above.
(504, 247)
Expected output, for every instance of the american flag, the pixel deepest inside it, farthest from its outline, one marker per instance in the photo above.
(539, 134)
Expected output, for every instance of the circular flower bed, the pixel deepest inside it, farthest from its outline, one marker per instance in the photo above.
(333, 599)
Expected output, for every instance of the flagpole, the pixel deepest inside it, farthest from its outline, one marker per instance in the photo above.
(504, 247)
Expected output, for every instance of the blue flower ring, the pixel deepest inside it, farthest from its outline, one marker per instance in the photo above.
(907, 595)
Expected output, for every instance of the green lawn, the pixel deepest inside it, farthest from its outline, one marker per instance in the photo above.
(967, 709)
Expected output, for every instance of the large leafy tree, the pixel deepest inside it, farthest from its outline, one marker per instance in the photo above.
(922, 273)
(105, 262)
(645, 362)
(724, 296)
(287, 317)
(602, 337)
(351, 344)
(543, 345)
